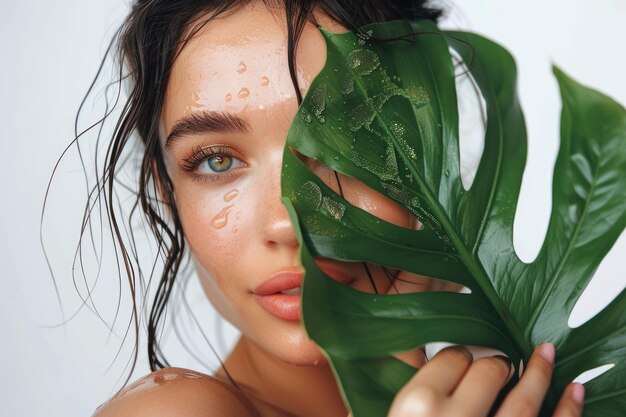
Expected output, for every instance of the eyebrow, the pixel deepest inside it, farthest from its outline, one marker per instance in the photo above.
(205, 122)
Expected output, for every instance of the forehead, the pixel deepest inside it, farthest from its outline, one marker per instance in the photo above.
(238, 63)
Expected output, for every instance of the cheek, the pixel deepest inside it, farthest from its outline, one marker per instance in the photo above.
(215, 223)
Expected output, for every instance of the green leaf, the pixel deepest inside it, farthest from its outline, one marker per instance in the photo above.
(384, 111)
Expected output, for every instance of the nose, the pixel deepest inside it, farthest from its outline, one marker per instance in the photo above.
(276, 227)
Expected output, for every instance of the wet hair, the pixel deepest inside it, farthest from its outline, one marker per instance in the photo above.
(145, 48)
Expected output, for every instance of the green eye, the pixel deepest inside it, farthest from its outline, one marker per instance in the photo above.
(219, 163)
(211, 163)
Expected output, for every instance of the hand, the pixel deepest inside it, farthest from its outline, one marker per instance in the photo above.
(452, 385)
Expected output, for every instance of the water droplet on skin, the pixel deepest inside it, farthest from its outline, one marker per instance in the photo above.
(230, 195)
(220, 220)
(241, 68)
(243, 93)
(265, 81)
(228, 97)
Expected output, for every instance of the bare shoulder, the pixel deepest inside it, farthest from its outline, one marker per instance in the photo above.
(177, 392)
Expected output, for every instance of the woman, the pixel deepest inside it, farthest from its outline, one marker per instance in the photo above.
(214, 88)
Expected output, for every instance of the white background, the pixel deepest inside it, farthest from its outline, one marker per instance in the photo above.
(50, 51)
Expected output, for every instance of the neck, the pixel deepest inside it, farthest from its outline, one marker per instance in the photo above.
(280, 389)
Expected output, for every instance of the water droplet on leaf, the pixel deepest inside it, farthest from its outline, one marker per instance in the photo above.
(311, 193)
(335, 209)
(363, 61)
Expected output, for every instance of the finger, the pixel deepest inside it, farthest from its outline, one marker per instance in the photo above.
(526, 398)
(425, 394)
(444, 371)
(481, 384)
(571, 402)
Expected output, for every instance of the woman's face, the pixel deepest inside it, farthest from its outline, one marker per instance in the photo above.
(229, 104)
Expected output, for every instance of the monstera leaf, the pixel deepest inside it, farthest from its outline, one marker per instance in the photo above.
(384, 110)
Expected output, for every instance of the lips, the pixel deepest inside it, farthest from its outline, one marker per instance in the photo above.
(287, 306)
(287, 280)
(280, 281)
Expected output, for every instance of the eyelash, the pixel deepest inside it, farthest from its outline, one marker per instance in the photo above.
(202, 154)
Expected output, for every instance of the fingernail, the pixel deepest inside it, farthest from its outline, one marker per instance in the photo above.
(577, 392)
(508, 363)
(464, 349)
(467, 352)
(547, 351)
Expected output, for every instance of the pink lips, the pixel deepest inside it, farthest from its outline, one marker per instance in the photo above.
(282, 306)
(287, 306)
(280, 282)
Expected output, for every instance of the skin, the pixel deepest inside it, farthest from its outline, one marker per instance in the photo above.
(240, 234)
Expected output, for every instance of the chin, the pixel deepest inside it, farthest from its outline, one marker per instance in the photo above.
(294, 348)
(306, 357)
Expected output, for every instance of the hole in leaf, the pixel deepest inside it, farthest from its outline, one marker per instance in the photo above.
(478, 352)
(607, 283)
(364, 277)
(472, 110)
(359, 195)
(593, 373)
